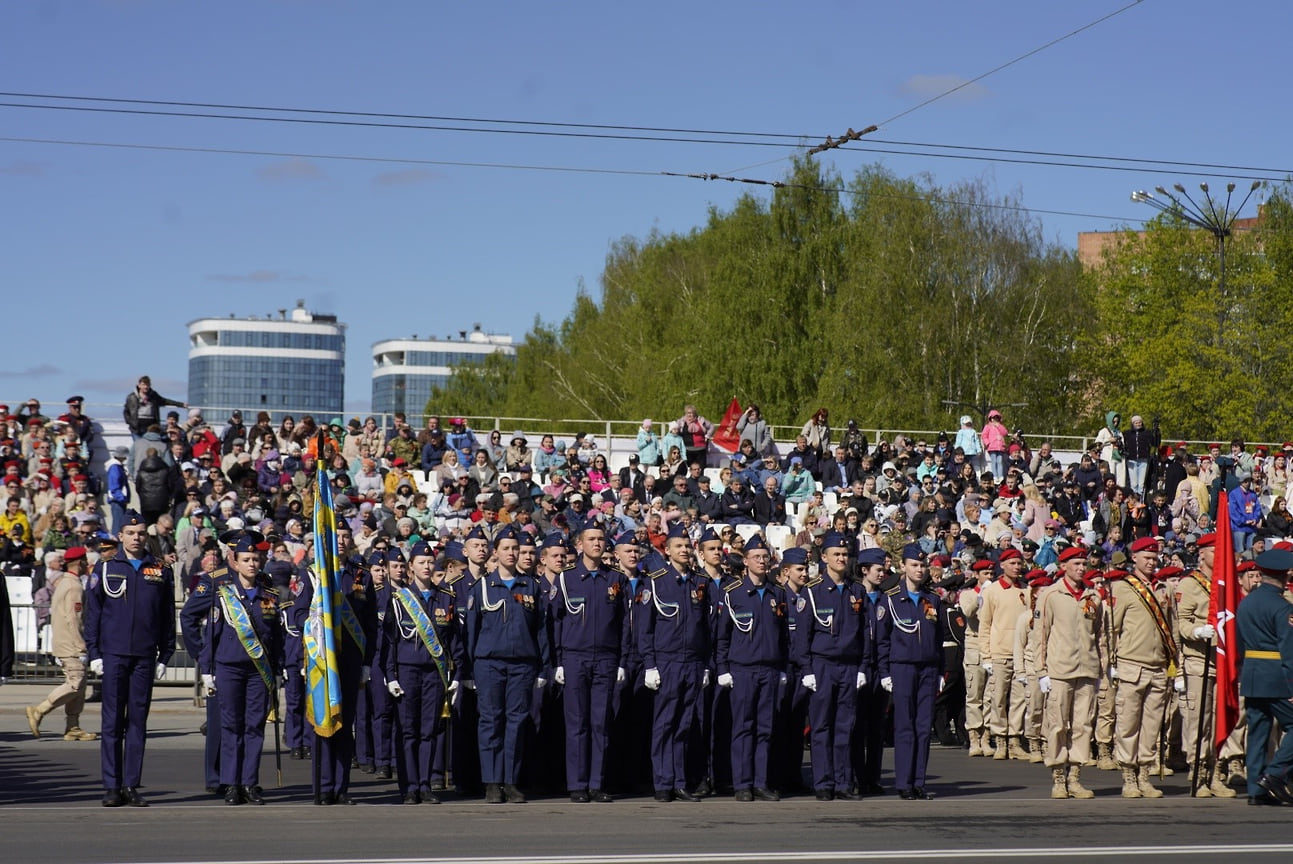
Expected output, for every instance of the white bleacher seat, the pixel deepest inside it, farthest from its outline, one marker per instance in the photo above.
(747, 531)
(712, 474)
(831, 500)
(778, 536)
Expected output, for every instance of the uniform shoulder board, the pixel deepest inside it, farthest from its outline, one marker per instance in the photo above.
(732, 586)
(656, 574)
(814, 582)
(455, 577)
(271, 592)
(894, 591)
(571, 567)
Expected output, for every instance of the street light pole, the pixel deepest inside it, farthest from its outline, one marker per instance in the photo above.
(1216, 220)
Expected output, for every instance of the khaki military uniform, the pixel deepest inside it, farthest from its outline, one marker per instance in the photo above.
(975, 678)
(1141, 658)
(68, 645)
(1071, 652)
(997, 618)
(1027, 636)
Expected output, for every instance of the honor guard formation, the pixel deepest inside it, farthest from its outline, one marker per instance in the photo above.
(453, 614)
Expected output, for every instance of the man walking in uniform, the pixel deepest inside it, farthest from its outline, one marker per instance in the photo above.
(1265, 626)
(68, 644)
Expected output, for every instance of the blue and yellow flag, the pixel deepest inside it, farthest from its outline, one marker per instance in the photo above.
(322, 635)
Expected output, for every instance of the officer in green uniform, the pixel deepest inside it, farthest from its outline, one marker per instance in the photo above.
(1265, 627)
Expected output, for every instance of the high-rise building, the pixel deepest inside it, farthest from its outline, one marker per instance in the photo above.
(292, 363)
(405, 370)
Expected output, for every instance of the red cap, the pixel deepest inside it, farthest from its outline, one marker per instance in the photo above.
(80, 478)
(1245, 566)
(1262, 448)
(1008, 555)
(1168, 572)
(1093, 574)
(981, 565)
(74, 553)
(1285, 545)
(1145, 544)
(398, 462)
(1072, 552)
(1209, 539)
(1042, 581)
(1116, 574)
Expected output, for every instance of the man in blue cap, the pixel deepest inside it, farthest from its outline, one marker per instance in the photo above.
(1265, 629)
(194, 617)
(546, 765)
(423, 655)
(294, 726)
(507, 647)
(591, 633)
(630, 746)
(474, 551)
(792, 708)
(753, 643)
(831, 654)
(672, 612)
(873, 699)
(129, 638)
(375, 721)
(910, 648)
(713, 761)
(239, 660)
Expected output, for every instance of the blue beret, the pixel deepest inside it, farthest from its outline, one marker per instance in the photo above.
(1275, 561)
(248, 541)
(525, 538)
(420, 548)
(755, 542)
(797, 555)
(711, 534)
(453, 551)
(627, 538)
(833, 539)
(394, 554)
(477, 533)
(377, 558)
(913, 552)
(553, 540)
(131, 517)
(507, 532)
(871, 557)
(676, 531)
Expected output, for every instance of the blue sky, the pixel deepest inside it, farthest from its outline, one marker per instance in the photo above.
(108, 252)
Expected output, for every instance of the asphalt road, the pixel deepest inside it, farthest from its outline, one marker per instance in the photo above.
(985, 811)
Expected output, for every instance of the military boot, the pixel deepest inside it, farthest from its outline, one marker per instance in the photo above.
(1016, 749)
(1000, 752)
(1034, 750)
(976, 742)
(1076, 789)
(1218, 783)
(1104, 758)
(1147, 790)
(1130, 787)
(1059, 786)
(34, 715)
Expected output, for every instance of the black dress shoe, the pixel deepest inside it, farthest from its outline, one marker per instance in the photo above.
(872, 789)
(354, 763)
(704, 789)
(743, 795)
(113, 798)
(1264, 800)
(384, 772)
(295, 753)
(233, 796)
(512, 794)
(411, 798)
(327, 799)
(343, 798)
(253, 795)
(763, 793)
(683, 795)
(579, 796)
(664, 796)
(493, 793)
(438, 786)
(1275, 788)
(368, 768)
(215, 790)
(428, 797)
(920, 793)
(907, 794)
(825, 795)
(203, 728)
(133, 798)
(305, 752)
(849, 795)
(600, 797)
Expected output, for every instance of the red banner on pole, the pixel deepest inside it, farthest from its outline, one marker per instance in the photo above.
(726, 436)
(1221, 615)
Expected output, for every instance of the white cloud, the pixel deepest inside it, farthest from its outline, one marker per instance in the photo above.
(925, 86)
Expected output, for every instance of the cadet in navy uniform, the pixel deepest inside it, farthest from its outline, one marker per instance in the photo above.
(873, 699)
(833, 648)
(374, 726)
(129, 637)
(193, 625)
(712, 763)
(630, 744)
(753, 643)
(354, 659)
(792, 709)
(507, 646)
(422, 655)
(1265, 629)
(239, 661)
(671, 619)
(911, 668)
(293, 659)
(590, 633)
(546, 766)
(465, 758)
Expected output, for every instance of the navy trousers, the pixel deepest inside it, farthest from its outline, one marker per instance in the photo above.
(127, 696)
(421, 726)
(832, 711)
(675, 718)
(244, 705)
(588, 696)
(914, 690)
(754, 700)
(503, 690)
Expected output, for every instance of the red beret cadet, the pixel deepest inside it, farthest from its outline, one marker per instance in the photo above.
(1008, 555)
(74, 553)
(1145, 544)
(1168, 572)
(1093, 574)
(1042, 581)
(981, 565)
(1034, 573)
(1180, 445)
(12, 465)
(1263, 449)
(1072, 552)
(34, 421)
(1209, 539)
(80, 478)
(1285, 545)
(1116, 574)
(1245, 566)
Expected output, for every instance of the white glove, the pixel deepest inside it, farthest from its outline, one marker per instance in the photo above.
(887, 683)
(1022, 679)
(725, 680)
(810, 682)
(395, 689)
(58, 661)
(540, 683)
(987, 668)
(861, 680)
(704, 681)
(208, 683)
(453, 692)
(559, 675)
(303, 674)
(96, 665)
(1207, 631)
(620, 675)
(1113, 672)
(1044, 683)
(365, 674)
(82, 658)
(2, 681)
(469, 684)
(160, 671)
(652, 679)
(781, 680)
(942, 682)
(1178, 683)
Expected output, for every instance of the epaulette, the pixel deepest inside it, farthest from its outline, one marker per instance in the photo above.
(731, 586)
(894, 591)
(814, 582)
(656, 574)
(455, 577)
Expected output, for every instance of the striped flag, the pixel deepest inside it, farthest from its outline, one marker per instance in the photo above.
(1221, 615)
(322, 633)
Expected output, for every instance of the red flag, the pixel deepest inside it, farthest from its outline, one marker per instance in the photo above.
(726, 436)
(1221, 615)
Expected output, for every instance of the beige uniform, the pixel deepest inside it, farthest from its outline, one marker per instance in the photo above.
(1027, 635)
(1070, 652)
(975, 678)
(68, 644)
(997, 617)
(1104, 713)
(1193, 597)
(1141, 658)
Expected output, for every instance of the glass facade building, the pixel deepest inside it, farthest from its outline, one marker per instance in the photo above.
(293, 364)
(405, 370)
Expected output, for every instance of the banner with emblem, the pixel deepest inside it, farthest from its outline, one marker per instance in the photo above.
(322, 635)
(1221, 615)
(426, 631)
(236, 614)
